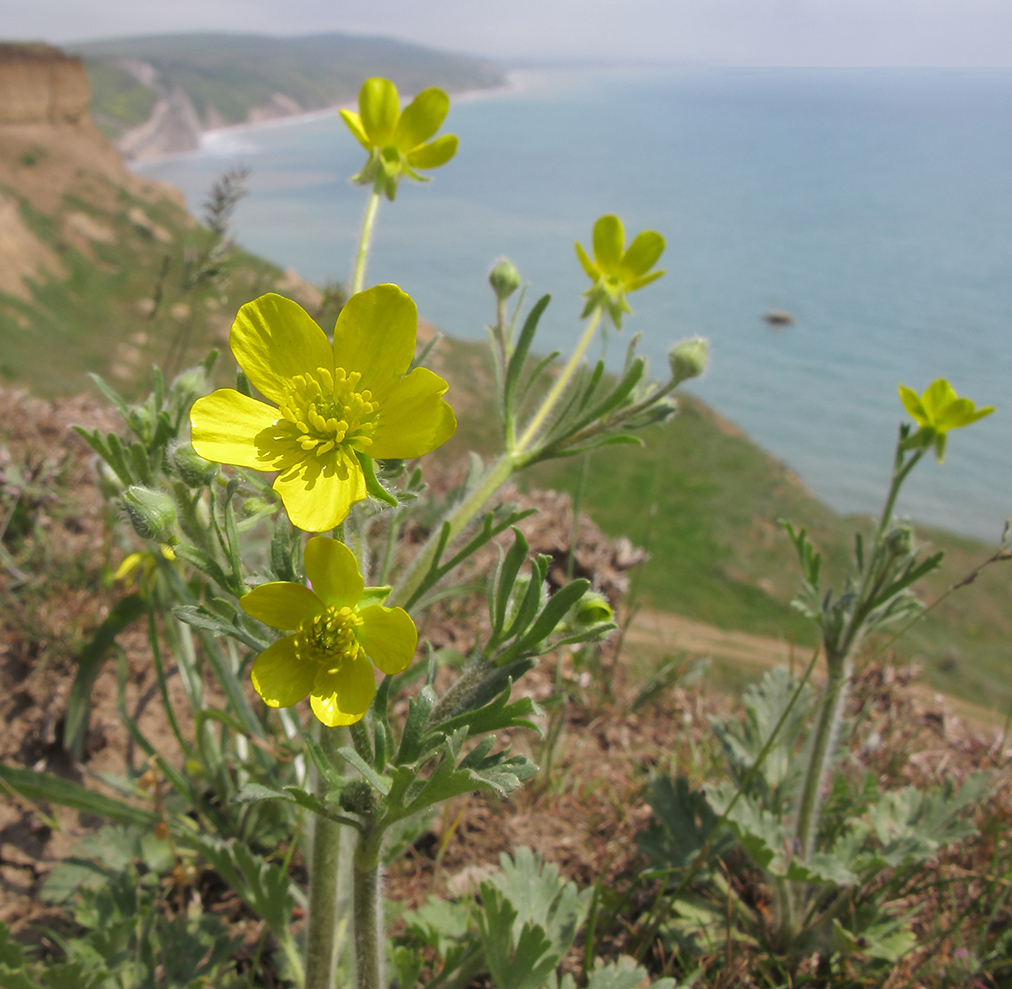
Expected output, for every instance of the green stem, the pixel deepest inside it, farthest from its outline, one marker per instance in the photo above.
(560, 384)
(458, 517)
(364, 239)
(321, 937)
(900, 472)
(823, 747)
(366, 905)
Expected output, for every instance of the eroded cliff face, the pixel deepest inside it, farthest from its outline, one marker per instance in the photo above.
(50, 150)
(41, 85)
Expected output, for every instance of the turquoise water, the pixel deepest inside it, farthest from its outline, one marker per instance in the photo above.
(876, 206)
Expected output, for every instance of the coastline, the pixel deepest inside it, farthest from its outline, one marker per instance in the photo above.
(207, 136)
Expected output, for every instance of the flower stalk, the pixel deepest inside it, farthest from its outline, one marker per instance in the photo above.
(324, 860)
(365, 241)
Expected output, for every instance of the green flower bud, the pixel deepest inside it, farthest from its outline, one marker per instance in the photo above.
(504, 278)
(591, 609)
(152, 513)
(900, 540)
(688, 358)
(358, 798)
(193, 469)
(256, 506)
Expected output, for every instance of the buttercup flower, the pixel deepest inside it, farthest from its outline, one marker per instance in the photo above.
(616, 271)
(398, 143)
(335, 403)
(338, 636)
(937, 411)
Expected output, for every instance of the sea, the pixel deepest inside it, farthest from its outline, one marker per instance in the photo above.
(874, 206)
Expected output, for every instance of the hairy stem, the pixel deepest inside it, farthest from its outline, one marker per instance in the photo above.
(368, 921)
(325, 855)
(364, 240)
(823, 748)
(459, 516)
(560, 384)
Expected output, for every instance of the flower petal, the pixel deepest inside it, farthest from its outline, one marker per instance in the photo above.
(912, 403)
(342, 696)
(379, 107)
(588, 266)
(413, 418)
(609, 239)
(389, 637)
(938, 395)
(231, 428)
(435, 153)
(421, 119)
(375, 335)
(319, 491)
(643, 280)
(962, 412)
(281, 604)
(643, 254)
(333, 571)
(273, 339)
(354, 122)
(280, 677)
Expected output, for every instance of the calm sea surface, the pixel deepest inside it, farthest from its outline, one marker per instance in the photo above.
(876, 206)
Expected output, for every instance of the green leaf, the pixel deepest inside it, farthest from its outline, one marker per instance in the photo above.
(419, 709)
(199, 616)
(496, 716)
(684, 822)
(89, 665)
(52, 789)
(519, 356)
(372, 484)
(524, 963)
(374, 779)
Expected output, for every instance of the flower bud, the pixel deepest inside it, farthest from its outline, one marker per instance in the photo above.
(900, 540)
(193, 469)
(688, 358)
(504, 279)
(591, 609)
(152, 513)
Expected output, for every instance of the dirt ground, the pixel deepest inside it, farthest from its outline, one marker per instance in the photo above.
(58, 546)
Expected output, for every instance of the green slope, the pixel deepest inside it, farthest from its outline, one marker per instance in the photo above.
(235, 72)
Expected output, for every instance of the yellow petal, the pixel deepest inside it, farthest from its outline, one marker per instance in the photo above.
(375, 335)
(342, 696)
(937, 397)
(642, 255)
(588, 266)
(319, 491)
(281, 604)
(273, 339)
(388, 636)
(912, 403)
(421, 118)
(231, 428)
(379, 107)
(280, 677)
(413, 418)
(333, 571)
(609, 240)
(354, 122)
(435, 153)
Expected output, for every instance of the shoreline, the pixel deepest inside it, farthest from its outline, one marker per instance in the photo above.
(208, 136)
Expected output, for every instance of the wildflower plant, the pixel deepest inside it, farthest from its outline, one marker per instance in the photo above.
(272, 514)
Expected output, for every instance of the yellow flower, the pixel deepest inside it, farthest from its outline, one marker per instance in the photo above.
(398, 143)
(335, 403)
(615, 270)
(336, 634)
(937, 411)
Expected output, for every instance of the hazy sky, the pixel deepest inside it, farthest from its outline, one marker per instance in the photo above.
(737, 32)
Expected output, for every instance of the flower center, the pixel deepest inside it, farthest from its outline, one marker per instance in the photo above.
(327, 411)
(328, 638)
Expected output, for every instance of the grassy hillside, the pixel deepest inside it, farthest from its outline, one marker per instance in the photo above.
(230, 74)
(718, 555)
